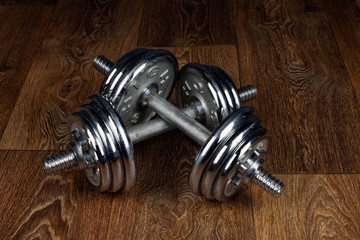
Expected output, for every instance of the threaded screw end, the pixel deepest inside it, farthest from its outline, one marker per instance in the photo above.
(247, 93)
(268, 182)
(102, 64)
(60, 161)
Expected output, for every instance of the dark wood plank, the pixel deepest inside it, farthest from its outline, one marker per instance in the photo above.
(186, 23)
(20, 38)
(288, 51)
(62, 75)
(28, 2)
(312, 207)
(33, 205)
(344, 17)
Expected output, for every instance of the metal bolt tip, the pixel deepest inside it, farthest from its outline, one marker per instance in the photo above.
(60, 161)
(268, 182)
(102, 64)
(247, 93)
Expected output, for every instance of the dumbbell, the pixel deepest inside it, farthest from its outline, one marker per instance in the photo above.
(245, 142)
(101, 144)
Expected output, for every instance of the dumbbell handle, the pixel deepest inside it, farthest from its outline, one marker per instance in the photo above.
(143, 131)
(146, 130)
(198, 132)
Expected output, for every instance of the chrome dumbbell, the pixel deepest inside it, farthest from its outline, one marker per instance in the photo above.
(102, 145)
(246, 160)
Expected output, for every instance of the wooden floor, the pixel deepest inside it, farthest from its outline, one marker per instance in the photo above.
(303, 57)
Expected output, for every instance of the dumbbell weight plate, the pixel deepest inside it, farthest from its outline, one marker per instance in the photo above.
(223, 153)
(119, 68)
(130, 77)
(101, 176)
(124, 143)
(224, 130)
(115, 167)
(231, 91)
(197, 83)
(227, 183)
(100, 118)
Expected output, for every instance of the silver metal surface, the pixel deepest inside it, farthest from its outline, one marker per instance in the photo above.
(213, 100)
(124, 143)
(131, 75)
(226, 161)
(100, 147)
(225, 150)
(176, 117)
(103, 65)
(247, 93)
(60, 161)
(155, 127)
(209, 85)
(222, 133)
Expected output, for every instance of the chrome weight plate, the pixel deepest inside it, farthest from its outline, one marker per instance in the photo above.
(124, 143)
(246, 158)
(101, 118)
(223, 132)
(129, 78)
(114, 166)
(118, 69)
(197, 84)
(100, 176)
(223, 153)
(228, 96)
(231, 90)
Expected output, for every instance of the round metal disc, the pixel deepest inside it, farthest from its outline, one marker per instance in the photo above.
(101, 177)
(222, 153)
(223, 84)
(220, 134)
(129, 79)
(118, 68)
(231, 90)
(125, 145)
(228, 183)
(197, 83)
(108, 136)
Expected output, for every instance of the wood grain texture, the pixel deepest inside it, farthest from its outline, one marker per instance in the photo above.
(312, 207)
(29, 2)
(344, 17)
(288, 51)
(186, 23)
(56, 87)
(33, 205)
(22, 37)
(302, 57)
